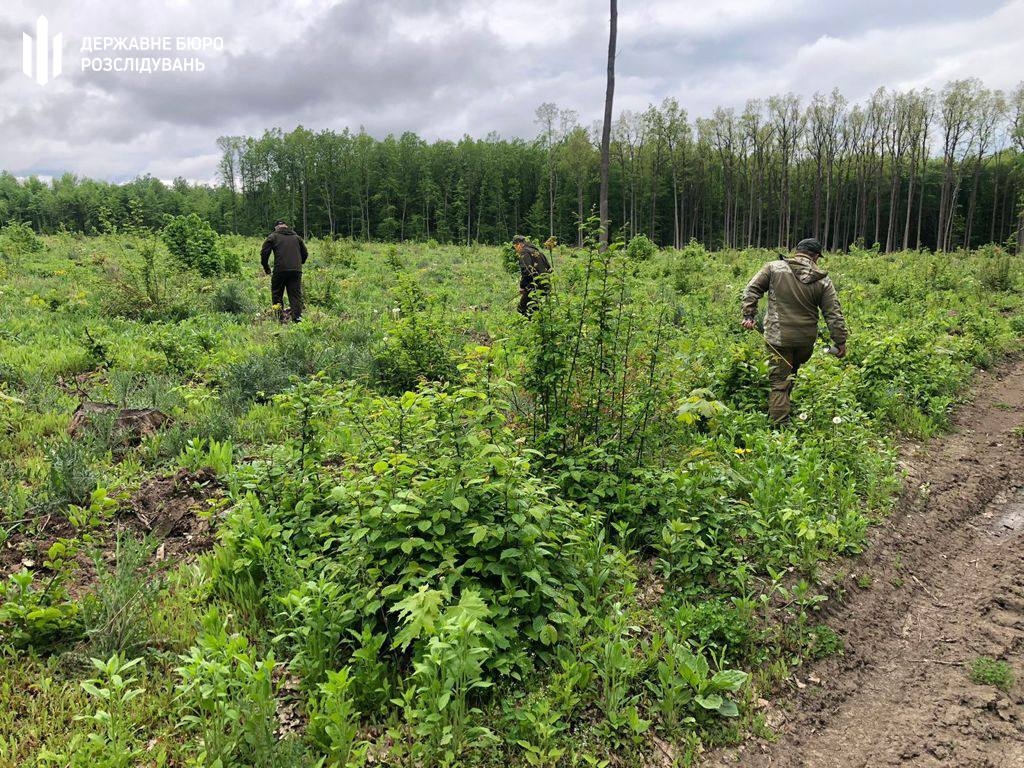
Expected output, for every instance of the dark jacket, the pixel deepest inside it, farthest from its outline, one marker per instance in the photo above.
(289, 251)
(531, 264)
(797, 290)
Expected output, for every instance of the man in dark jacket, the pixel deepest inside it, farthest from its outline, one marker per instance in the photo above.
(797, 290)
(534, 274)
(289, 255)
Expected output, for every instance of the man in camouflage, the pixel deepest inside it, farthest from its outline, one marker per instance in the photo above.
(797, 289)
(289, 255)
(534, 274)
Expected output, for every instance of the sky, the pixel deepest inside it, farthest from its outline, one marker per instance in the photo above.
(446, 68)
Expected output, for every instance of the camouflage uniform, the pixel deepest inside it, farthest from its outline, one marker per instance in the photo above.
(797, 289)
(534, 276)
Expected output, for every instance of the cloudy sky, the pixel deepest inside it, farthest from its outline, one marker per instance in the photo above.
(444, 68)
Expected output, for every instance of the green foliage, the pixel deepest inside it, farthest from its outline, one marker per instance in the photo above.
(989, 671)
(418, 346)
(227, 694)
(36, 617)
(448, 672)
(113, 743)
(18, 237)
(996, 271)
(334, 721)
(640, 248)
(509, 258)
(71, 479)
(207, 454)
(685, 688)
(117, 616)
(193, 243)
(231, 296)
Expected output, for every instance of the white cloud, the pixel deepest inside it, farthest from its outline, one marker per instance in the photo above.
(448, 67)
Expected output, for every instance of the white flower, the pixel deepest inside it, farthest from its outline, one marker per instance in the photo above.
(837, 419)
(802, 417)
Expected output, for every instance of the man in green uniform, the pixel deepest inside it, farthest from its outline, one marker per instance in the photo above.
(289, 255)
(534, 274)
(797, 289)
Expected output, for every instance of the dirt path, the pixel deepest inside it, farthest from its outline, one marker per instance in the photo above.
(946, 586)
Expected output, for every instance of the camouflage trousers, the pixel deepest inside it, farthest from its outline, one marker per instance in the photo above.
(291, 282)
(783, 363)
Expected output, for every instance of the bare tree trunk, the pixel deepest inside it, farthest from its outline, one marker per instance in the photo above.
(606, 128)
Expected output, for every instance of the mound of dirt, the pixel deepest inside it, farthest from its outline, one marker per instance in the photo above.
(166, 507)
(130, 424)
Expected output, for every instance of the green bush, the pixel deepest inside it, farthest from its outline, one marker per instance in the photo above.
(194, 244)
(231, 297)
(71, 477)
(418, 346)
(116, 616)
(18, 237)
(640, 248)
(989, 671)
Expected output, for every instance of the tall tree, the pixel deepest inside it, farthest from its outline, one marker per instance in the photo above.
(606, 127)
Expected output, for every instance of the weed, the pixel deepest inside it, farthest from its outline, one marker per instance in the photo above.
(989, 671)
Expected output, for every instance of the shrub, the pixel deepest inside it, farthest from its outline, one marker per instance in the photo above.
(641, 248)
(996, 272)
(18, 237)
(509, 259)
(116, 616)
(228, 695)
(232, 297)
(71, 478)
(36, 617)
(192, 241)
(418, 346)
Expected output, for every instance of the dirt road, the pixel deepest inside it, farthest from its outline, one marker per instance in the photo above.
(946, 576)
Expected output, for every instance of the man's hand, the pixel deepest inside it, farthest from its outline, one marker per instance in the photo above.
(748, 323)
(266, 271)
(840, 350)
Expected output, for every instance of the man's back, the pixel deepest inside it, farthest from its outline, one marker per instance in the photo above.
(288, 248)
(797, 289)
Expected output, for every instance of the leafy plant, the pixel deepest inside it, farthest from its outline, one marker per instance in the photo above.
(193, 243)
(113, 742)
(207, 454)
(227, 694)
(334, 721)
(36, 617)
(988, 671)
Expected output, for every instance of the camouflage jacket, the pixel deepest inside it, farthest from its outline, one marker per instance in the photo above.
(531, 264)
(797, 289)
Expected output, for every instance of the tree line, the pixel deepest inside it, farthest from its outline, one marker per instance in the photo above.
(903, 169)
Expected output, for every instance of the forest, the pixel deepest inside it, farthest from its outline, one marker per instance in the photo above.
(904, 170)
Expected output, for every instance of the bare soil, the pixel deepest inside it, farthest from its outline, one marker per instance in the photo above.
(166, 508)
(942, 584)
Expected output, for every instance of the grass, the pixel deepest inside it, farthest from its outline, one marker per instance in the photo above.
(727, 509)
(989, 671)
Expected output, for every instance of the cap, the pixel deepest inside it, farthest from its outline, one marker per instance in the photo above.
(809, 245)
(518, 239)
(279, 222)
